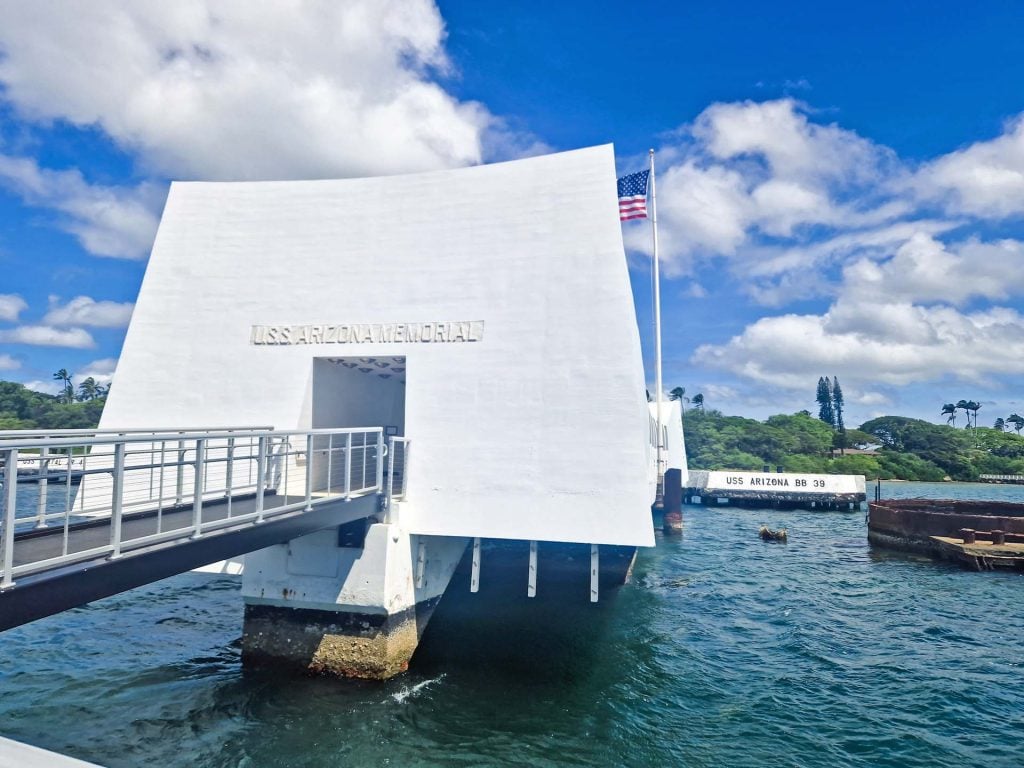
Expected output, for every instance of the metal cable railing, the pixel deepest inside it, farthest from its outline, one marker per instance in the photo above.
(398, 466)
(94, 495)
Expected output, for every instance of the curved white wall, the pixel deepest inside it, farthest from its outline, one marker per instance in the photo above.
(536, 431)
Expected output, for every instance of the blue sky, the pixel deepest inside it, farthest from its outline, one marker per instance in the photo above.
(841, 190)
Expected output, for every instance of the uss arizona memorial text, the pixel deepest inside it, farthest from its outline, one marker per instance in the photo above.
(369, 333)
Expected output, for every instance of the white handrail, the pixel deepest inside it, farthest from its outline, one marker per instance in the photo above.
(174, 476)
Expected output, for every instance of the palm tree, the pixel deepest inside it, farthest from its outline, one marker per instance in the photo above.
(698, 402)
(88, 389)
(999, 424)
(973, 406)
(965, 407)
(949, 410)
(1017, 421)
(69, 389)
(679, 393)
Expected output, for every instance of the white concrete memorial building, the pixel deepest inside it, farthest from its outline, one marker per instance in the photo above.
(484, 314)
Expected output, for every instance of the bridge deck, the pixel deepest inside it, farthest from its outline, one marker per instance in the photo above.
(43, 594)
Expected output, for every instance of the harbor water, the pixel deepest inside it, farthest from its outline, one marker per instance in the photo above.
(723, 650)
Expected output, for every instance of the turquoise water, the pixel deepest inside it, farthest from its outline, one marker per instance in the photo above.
(723, 651)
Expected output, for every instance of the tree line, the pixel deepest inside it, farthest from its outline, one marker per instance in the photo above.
(22, 408)
(889, 447)
(89, 389)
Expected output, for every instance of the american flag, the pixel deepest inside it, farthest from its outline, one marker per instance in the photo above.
(633, 196)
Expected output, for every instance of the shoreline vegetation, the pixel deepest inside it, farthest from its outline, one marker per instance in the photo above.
(889, 447)
(22, 408)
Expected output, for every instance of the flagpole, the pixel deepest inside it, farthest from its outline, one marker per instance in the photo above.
(657, 315)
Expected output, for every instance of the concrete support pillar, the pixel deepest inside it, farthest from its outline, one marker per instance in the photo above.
(345, 611)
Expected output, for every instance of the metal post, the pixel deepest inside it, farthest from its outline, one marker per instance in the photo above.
(10, 501)
(531, 586)
(44, 469)
(380, 459)
(309, 472)
(593, 572)
(117, 501)
(474, 579)
(348, 466)
(657, 317)
(197, 488)
(261, 476)
(229, 479)
(179, 488)
(391, 471)
(330, 462)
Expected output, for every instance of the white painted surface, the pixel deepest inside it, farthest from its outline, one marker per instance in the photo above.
(673, 442)
(314, 572)
(14, 754)
(784, 482)
(537, 431)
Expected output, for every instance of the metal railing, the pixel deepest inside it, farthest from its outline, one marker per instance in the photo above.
(158, 487)
(398, 466)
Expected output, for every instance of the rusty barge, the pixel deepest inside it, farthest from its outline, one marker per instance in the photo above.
(978, 534)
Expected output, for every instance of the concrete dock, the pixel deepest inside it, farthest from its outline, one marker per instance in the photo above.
(776, 490)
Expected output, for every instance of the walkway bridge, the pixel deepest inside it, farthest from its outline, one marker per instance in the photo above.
(88, 514)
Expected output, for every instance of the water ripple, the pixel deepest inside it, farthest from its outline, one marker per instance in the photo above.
(723, 651)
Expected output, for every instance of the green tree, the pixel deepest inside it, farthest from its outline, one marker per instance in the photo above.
(698, 402)
(69, 389)
(88, 389)
(1016, 421)
(999, 424)
(973, 407)
(949, 410)
(824, 399)
(965, 406)
(679, 393)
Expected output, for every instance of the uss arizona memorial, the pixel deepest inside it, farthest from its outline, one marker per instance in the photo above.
(474, 329)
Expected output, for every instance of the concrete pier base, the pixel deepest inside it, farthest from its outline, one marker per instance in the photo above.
(327, 605)
(335, 643)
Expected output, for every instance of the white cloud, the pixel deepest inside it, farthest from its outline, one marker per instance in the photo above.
(46, 336)
(862, 343)
(780, 133)
(8, 363)
(108, 221)
(747, 177)
(46, 387)
(306, 89)
(84, 310)
(985, 179)
(926, 270)
(11, 305)
(102, 371)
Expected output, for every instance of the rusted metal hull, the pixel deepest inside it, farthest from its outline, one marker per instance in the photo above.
(977, 534)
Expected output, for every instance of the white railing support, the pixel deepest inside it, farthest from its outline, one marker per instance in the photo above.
(380, 461)
(309, 472)
(348, 466)
(229, 474)
(44, 470)
(117, 500)
(10, 509)
(197, 489)
(261, 476)
(179, 486)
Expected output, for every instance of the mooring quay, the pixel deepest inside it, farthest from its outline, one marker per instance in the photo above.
(778, 490)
